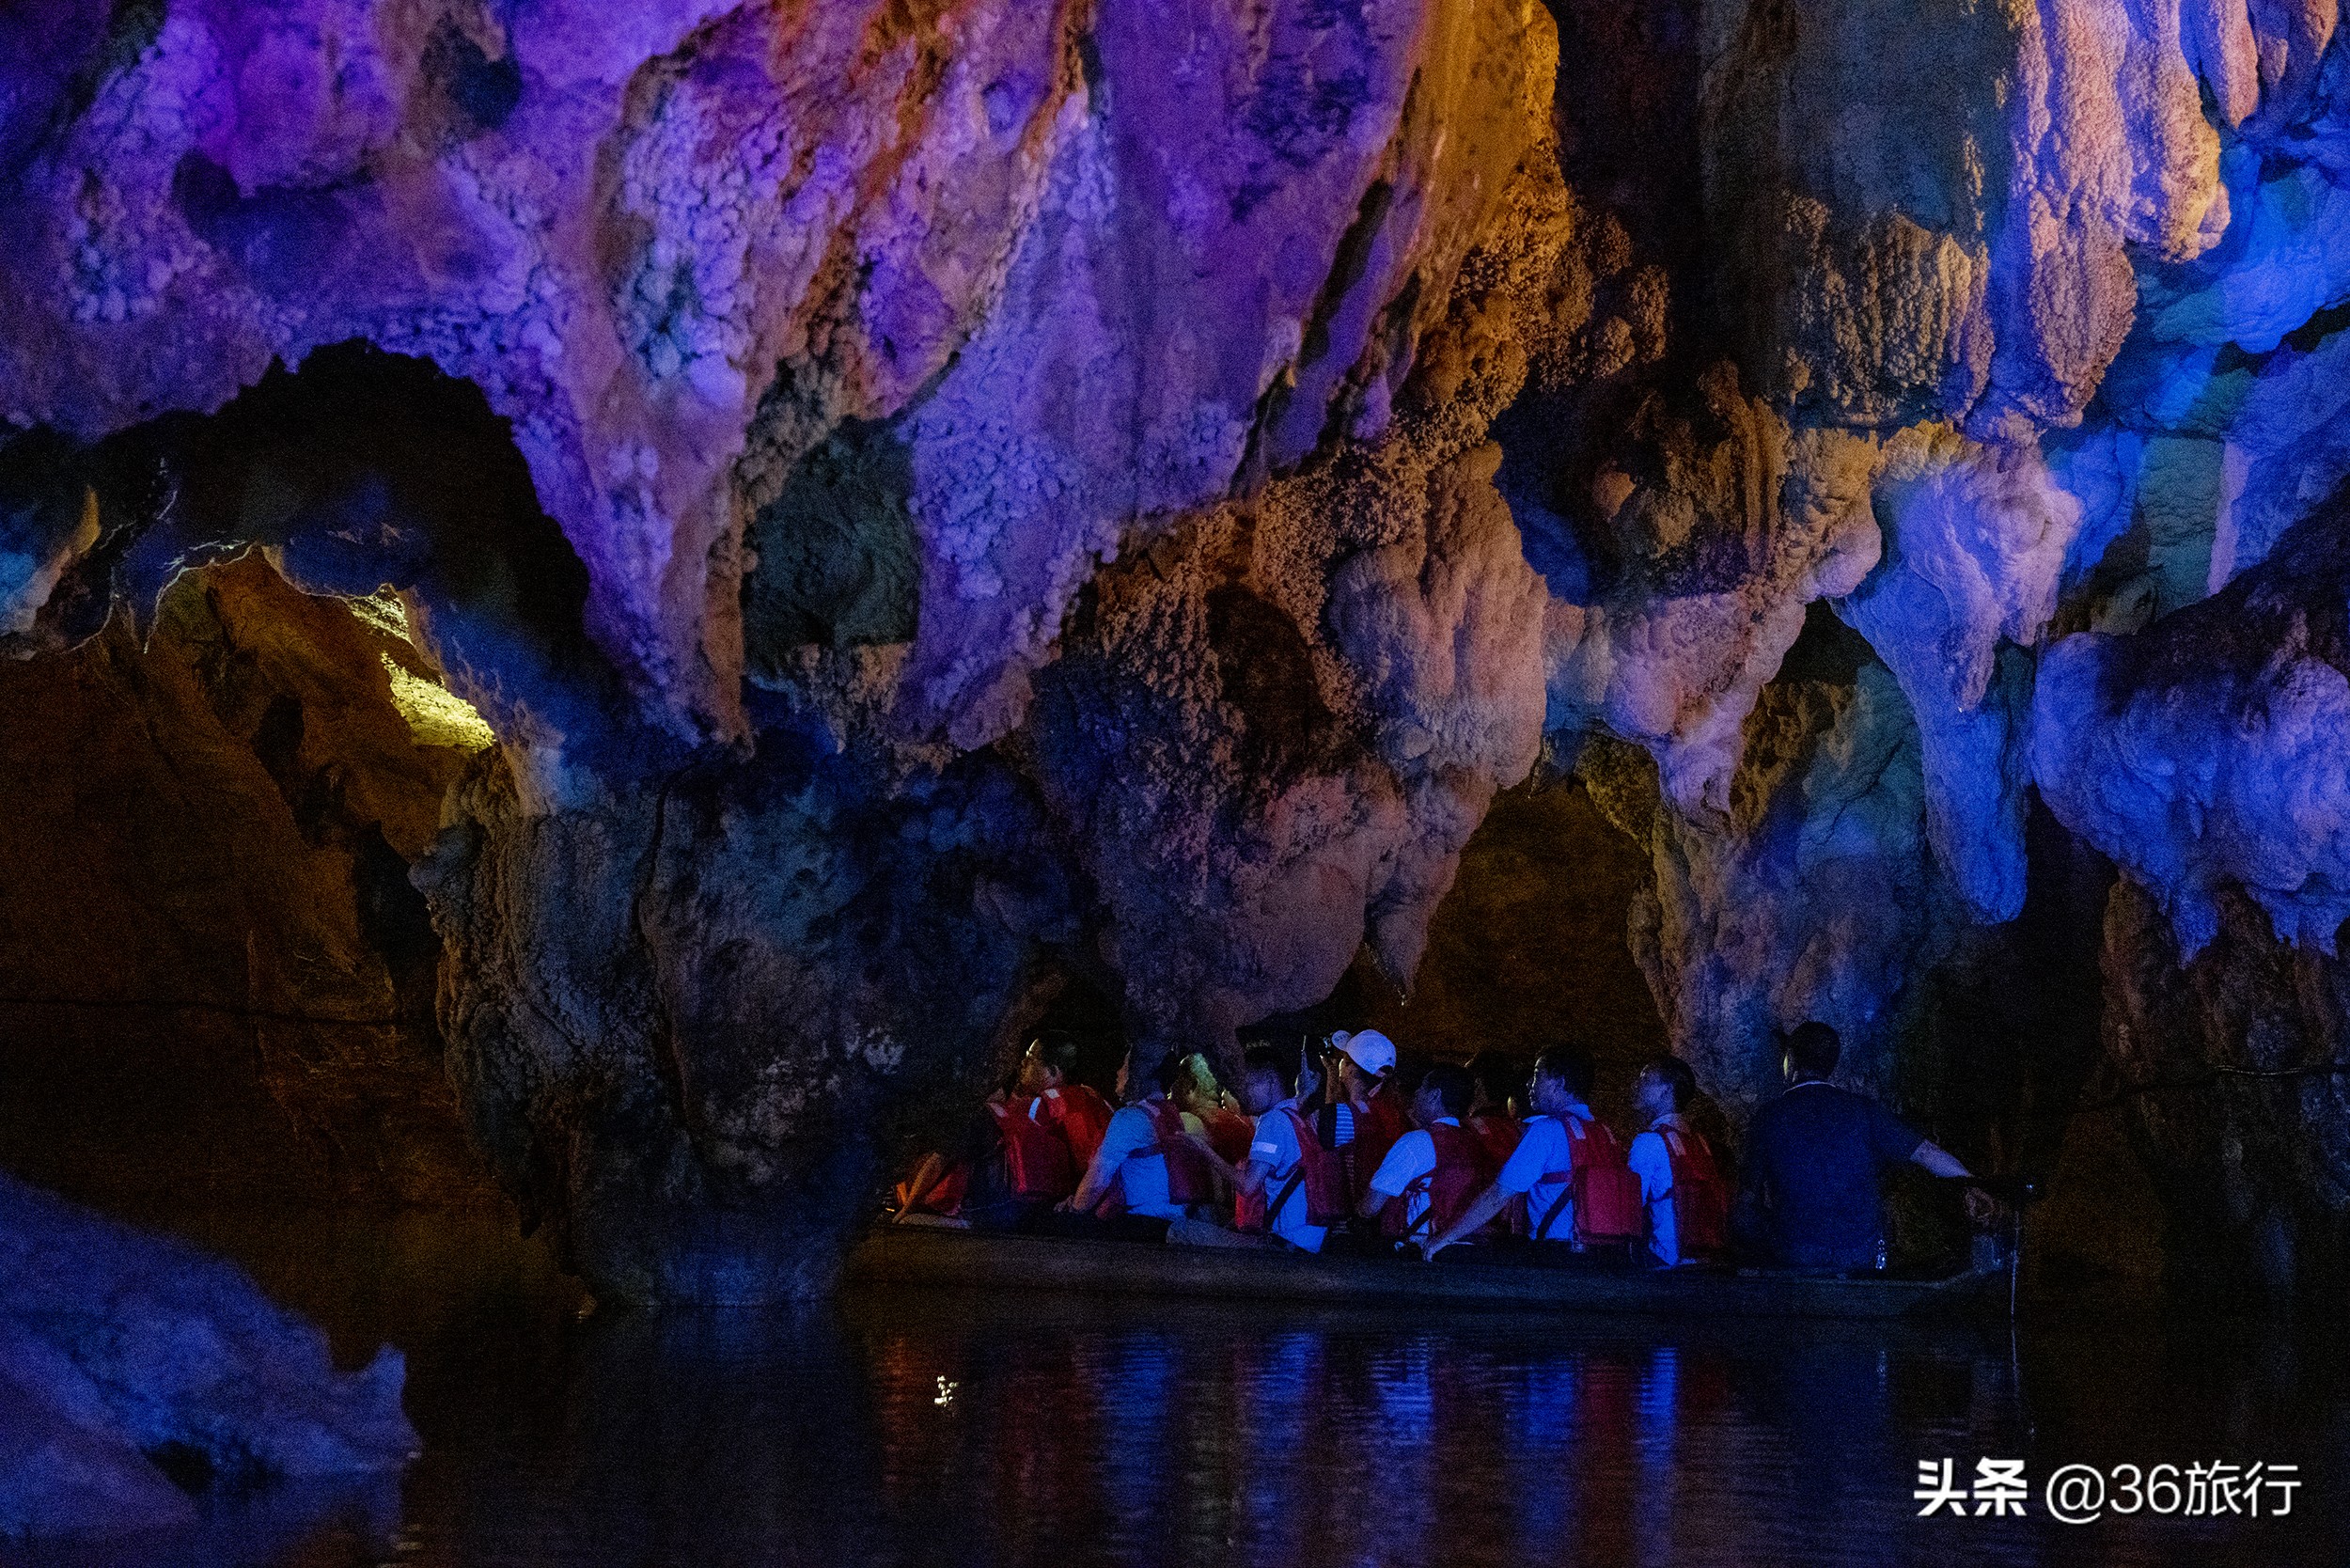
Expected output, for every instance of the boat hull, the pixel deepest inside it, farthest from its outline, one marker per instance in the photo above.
(922, 1256)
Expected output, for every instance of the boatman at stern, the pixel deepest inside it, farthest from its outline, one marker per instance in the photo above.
(1815, 1156)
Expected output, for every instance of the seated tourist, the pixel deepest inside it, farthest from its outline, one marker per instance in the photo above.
(1680, 1186)
(1568, 1172)
(1292, 1185)
(1072, 1110)
(1367, 1114)
(933, 1193)
(1816, 1156)
(1004, 1170)
(1148, 1172)
(1494, 1116)
(1229, 1129)
(1429, 1177)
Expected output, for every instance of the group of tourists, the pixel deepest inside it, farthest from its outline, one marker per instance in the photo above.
(1344, 1151)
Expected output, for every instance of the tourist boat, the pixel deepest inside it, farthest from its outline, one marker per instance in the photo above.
(916, 1255)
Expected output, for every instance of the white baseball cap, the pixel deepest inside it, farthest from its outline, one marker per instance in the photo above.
(1370, 1050)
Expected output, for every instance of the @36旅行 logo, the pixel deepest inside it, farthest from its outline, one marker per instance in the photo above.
(2077, 1494)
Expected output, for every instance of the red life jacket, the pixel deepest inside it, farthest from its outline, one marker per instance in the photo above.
(1501, 1133)
(1037, 1164)
(1599, 1182)
(1189, 1177)
(1317, 1181)
(1701, 1198)
(943, 1196)
(1375, 1132)
(1079, 1115)
(1465, 1167)
(1230, 1134)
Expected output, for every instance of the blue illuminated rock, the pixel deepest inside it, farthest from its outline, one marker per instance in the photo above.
(120, 1351)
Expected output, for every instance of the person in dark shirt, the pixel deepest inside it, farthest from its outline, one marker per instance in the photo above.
(1815, 1157)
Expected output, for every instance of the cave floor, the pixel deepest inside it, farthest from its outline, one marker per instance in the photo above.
(963, 1429)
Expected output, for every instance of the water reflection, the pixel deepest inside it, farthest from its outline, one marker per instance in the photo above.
(993, 1431)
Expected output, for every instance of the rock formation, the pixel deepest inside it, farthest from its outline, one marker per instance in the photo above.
(219, 981)
(938, 506)
(135, 1370)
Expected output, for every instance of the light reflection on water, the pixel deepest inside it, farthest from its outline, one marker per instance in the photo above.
(1068, 1432)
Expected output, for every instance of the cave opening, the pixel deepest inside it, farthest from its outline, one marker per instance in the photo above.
(232, 1002)
(241, 700)
(1530, 948)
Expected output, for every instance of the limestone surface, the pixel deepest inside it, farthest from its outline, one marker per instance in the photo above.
(943, 505)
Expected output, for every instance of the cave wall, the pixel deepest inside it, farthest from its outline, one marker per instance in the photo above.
(216, 982)
(938, 505)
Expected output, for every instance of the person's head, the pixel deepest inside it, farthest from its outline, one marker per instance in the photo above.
(1499, 1080)
(1167, 1080)
(1134, 1084)
(1364, 1060)
(1665, 1086)
(1562, 1077)
(1193, 1087)
(1812, 1050)
(1050, 1061)
(1444, 1090)
(1267, 1078)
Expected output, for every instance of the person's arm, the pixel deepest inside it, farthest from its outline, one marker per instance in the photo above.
(1536, 1153)
(1089, 1192)
(1271, 1141)
(1395, 1173)
(1116, 1145)
(1195, 1133)
(926, 1176)
(1939, 1161)
(1489, 1203)
(1252, 1178)
(1229, 1174)
(1982, 1208)
(1652, 1162)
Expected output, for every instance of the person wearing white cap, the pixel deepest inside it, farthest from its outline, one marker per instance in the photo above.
(1368, 1116)
(1372, 1054)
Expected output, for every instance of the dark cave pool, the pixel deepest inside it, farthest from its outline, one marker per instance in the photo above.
(983, 1431)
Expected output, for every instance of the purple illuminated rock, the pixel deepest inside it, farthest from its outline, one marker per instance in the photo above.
(1737, 524)
(1937, 207)
(676, 249)
(1813, 897)
(1976, 542)
(1035, 492)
